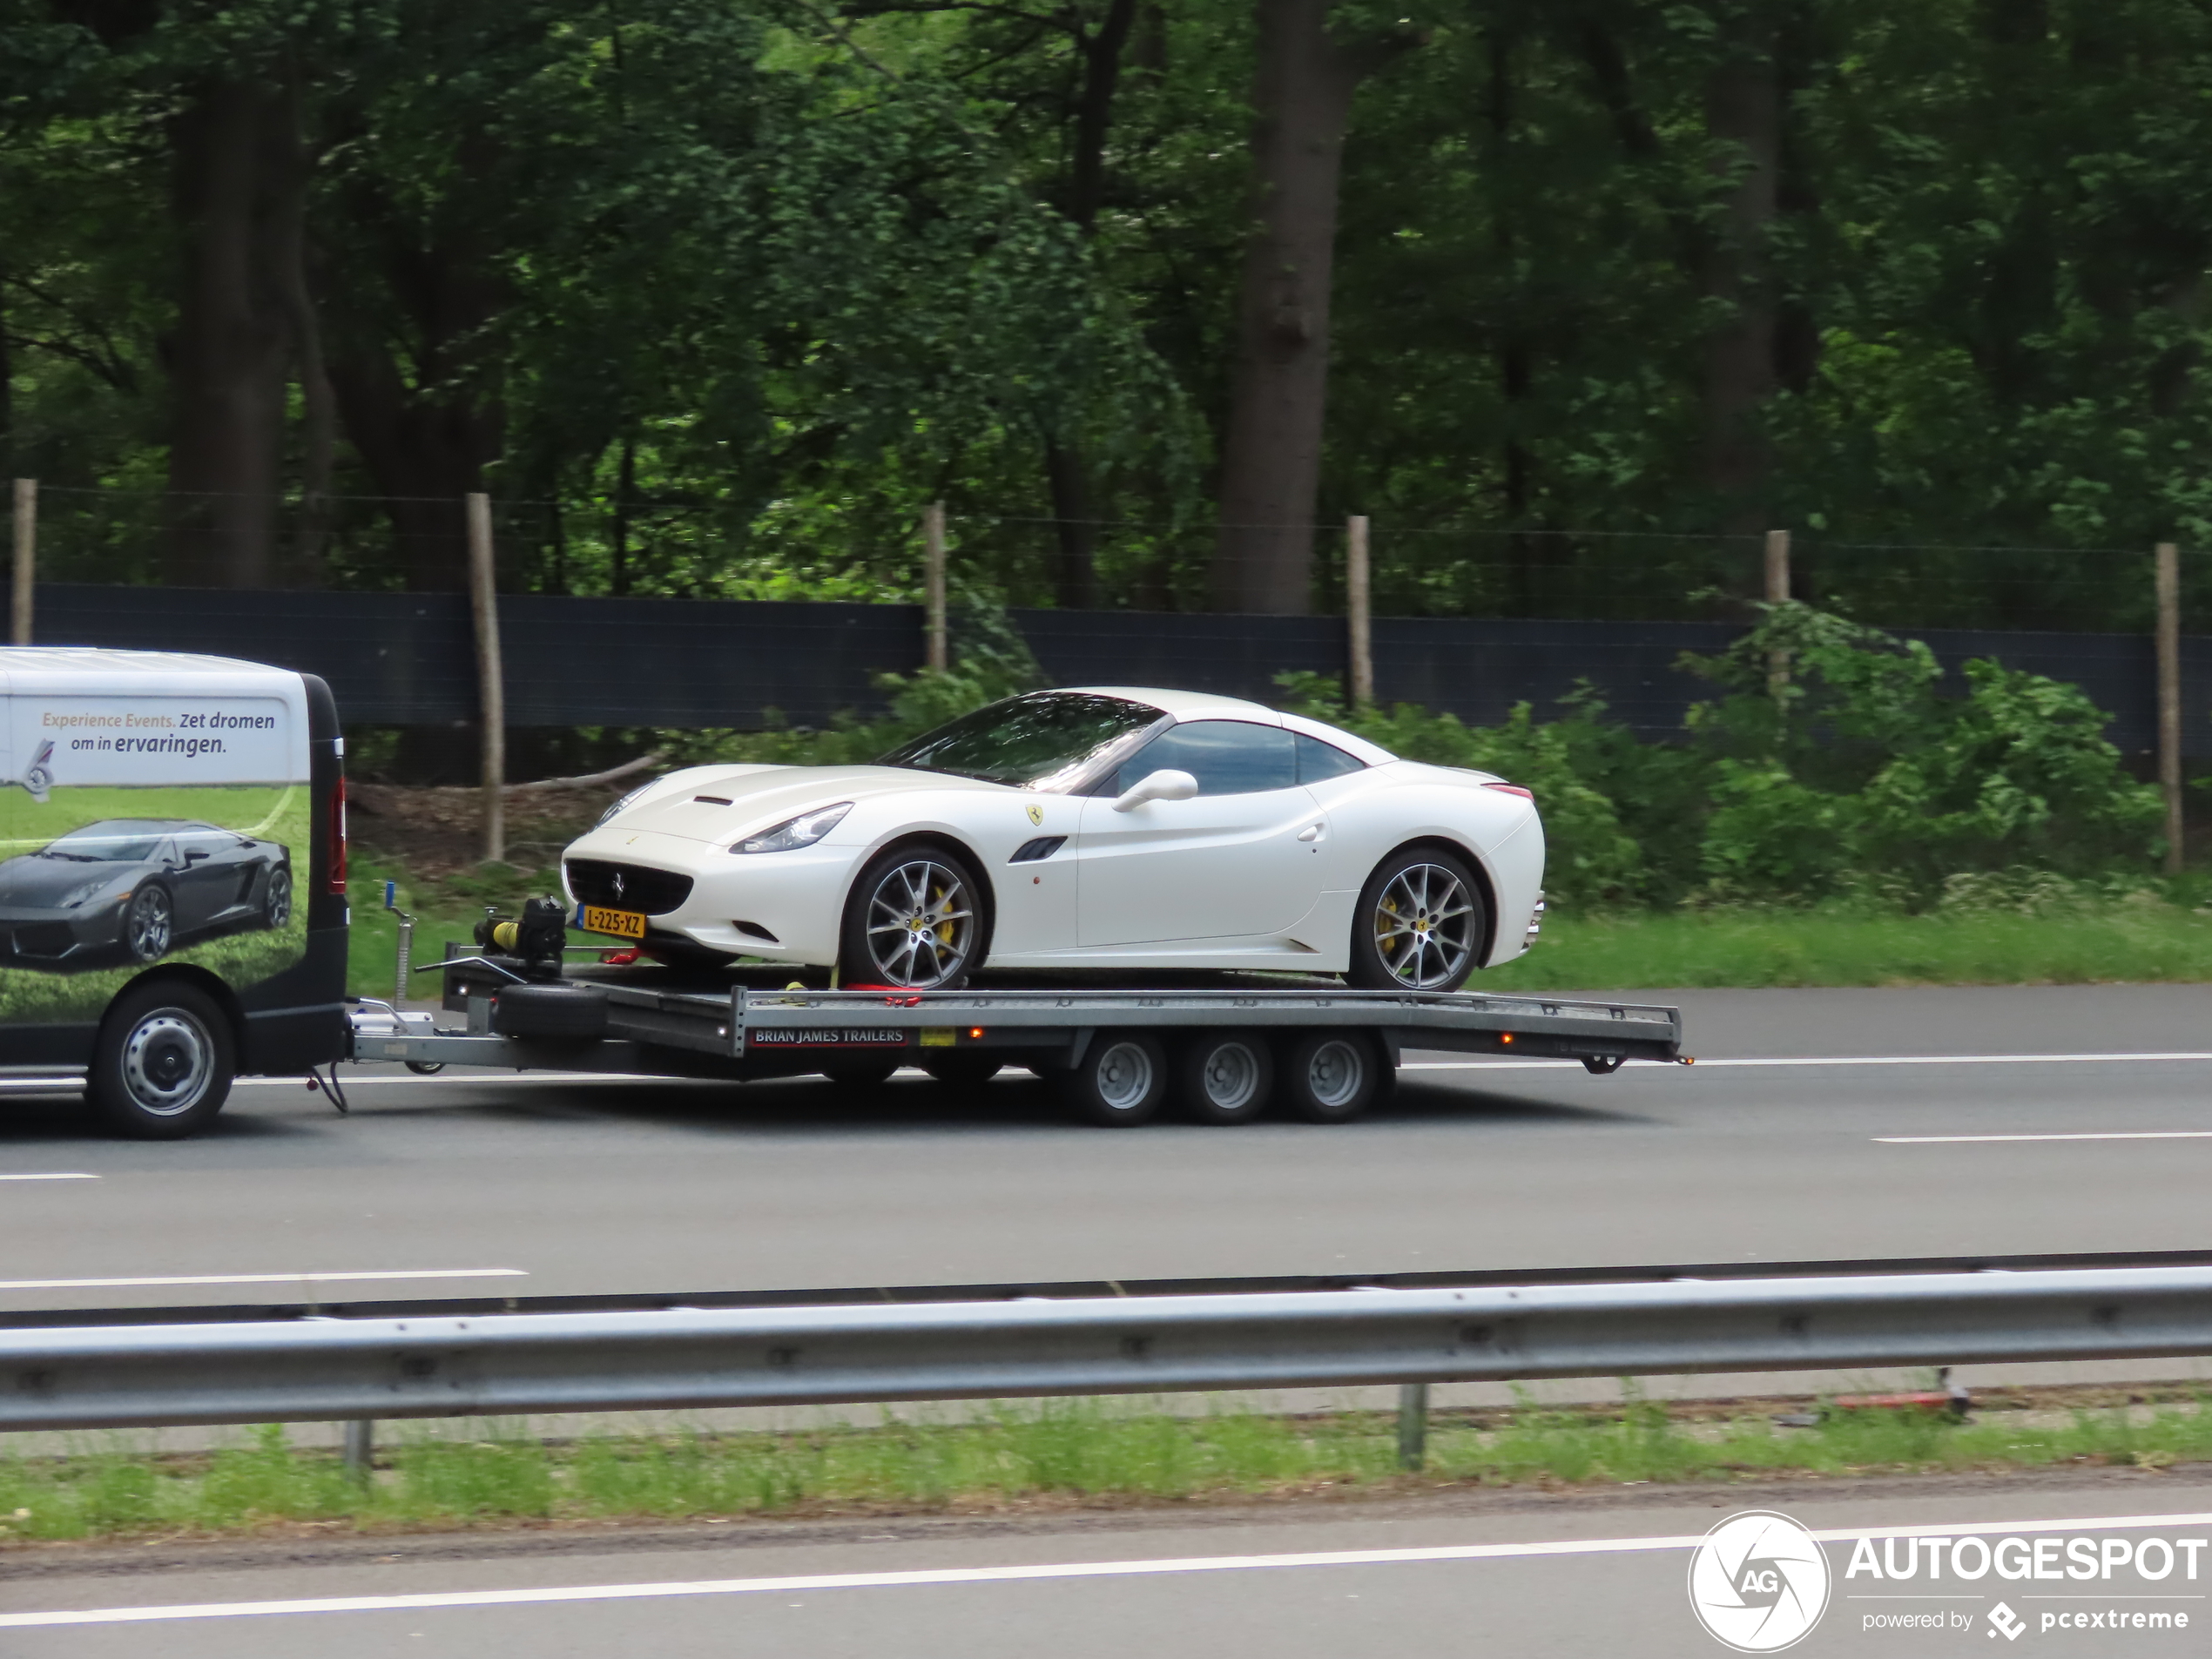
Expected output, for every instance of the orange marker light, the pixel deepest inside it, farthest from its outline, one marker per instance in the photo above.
(1505, 1036)
(975, 1031)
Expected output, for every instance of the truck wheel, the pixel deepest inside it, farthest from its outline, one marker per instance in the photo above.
(1120, 1081)
(963, 1071)
(1420, 924)
(162, 1063)
(1225, 1078)
(1329, 1077)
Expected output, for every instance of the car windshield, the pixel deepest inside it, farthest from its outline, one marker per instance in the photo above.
(1044, 740)
(119, 841)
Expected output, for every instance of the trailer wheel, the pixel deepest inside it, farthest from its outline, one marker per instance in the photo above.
(1330, 1076)
(1225, 1078)
(963, 1071)
(1120, 1081)
(162, 1063)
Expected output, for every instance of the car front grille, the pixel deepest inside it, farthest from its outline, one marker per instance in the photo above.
(627, 887)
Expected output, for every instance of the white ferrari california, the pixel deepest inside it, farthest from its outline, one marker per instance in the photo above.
(1096, 828)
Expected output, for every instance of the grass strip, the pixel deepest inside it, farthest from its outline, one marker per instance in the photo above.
(1078, 1452)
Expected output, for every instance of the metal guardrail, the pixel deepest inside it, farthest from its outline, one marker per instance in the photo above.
(500, 1364)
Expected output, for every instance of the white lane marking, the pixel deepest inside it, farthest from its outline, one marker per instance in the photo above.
(2095, 1134)
(1014, 1574)
(258, 1279)
(1839, 1060)
(55, 1175)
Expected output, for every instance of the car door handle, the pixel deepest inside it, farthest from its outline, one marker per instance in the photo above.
(1310, 833)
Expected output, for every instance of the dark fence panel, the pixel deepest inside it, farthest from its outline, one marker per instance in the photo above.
(402, 658)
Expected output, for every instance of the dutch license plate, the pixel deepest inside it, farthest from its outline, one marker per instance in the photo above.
(622, 924)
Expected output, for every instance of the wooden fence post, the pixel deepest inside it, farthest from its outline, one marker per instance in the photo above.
(1778, 592)
(2167, 569)
(933, 585)
(1359, 619)
(491, 692)
(26, 560)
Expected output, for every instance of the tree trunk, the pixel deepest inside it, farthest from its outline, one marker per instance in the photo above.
(318, 403)
(228, 356)
(1743, 116)
(1066, 472)
(427, 435)
(1271, 473)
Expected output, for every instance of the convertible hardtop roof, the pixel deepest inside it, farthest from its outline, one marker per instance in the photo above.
(1207, 705)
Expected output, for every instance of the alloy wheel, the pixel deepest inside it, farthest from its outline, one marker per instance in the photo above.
(921, 924)
(146, 928)
(1424, 926)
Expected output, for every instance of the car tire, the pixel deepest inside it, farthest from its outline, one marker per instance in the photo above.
(1420, 924)
(1224, 1077)
(550, 1013)
(908, 900)
(1120, 1081)
(162, 1062)
(1329, 1077)
(963, 1071)
(276, 903)
(149, 924)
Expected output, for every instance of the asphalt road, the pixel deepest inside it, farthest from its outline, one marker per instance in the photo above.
(1460, 1576)
(540, 1184)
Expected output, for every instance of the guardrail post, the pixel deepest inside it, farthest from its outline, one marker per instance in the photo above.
(491, 690)
(1412, 1425)
(26, 560)
(360, 1448)
(2168, 582)
(1359, 618)
(937, 656)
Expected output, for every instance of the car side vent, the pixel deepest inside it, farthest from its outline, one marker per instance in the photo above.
(754, 930)
(1043, 847)
(713, 800)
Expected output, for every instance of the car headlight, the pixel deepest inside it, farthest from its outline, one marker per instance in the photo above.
(83, 890)
(803, 831)
(622, 806)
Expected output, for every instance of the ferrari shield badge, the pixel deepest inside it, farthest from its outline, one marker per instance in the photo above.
(1036, 815)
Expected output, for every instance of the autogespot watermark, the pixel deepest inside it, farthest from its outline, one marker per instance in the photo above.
(1759, 1582)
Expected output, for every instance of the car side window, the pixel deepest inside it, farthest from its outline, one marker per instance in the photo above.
(1317, 761)
(1226, 757)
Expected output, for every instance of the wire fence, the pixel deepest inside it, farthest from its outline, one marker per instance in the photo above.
(870, 551)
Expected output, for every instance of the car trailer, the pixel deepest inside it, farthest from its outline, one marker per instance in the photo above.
(1221, 1054)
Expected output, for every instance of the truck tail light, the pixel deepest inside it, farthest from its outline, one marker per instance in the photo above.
(337, 872)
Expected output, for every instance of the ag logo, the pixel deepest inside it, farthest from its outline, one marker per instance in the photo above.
(1759, 1581)
(1036, 815)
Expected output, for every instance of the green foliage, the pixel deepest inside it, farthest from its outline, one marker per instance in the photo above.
(1855, 776)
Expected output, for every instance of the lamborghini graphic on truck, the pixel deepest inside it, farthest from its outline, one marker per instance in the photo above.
(132, 888)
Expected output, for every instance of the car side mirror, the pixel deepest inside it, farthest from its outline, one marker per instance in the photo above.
(1164, 785)
(194, 855)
